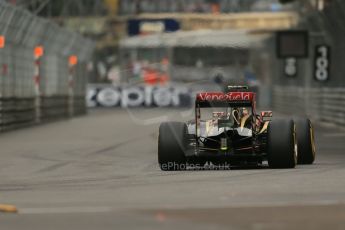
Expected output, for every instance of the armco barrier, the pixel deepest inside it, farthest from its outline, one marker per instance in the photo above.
(80, 105)
(318, 88)
(16, 113)
(52, 107)
(42, 69)
(324, 104)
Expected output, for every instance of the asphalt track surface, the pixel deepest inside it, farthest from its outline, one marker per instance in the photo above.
(100, 172)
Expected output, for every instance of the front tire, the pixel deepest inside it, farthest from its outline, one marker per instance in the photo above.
(281, 144)
(305, 140)
(172, 144)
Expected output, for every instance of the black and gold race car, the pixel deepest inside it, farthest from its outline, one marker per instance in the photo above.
(227, 131)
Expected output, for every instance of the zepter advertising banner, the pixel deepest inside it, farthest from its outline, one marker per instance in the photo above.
(138, 96)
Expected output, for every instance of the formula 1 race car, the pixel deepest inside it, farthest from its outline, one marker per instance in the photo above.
(227, 131)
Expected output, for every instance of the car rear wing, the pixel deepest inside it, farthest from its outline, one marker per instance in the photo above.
(219, 99)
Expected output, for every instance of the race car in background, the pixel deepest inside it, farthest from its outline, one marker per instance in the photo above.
(227, 131)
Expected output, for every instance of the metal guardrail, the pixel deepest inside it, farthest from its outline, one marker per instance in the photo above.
(303, 93)
(43, 88)
(324, 104)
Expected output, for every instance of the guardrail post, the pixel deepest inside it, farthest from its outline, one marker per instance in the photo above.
(38, 53)
(72, 62)
(2, 74)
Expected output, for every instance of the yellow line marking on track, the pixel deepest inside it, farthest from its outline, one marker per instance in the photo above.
(8, 208)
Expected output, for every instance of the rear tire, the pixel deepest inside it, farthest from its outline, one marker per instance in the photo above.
(172, 143)
(305, 140)
(281, 144)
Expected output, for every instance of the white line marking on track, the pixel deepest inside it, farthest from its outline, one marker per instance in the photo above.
(334, 135)
(64, 210)
(103, 209)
